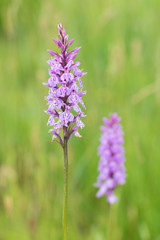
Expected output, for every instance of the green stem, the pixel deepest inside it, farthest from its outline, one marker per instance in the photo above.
(109, 223)
(65, 150)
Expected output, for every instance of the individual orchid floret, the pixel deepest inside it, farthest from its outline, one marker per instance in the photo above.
(65, 89)
(111, 165)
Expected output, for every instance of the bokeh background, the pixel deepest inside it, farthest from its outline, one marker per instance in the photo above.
(121, 52)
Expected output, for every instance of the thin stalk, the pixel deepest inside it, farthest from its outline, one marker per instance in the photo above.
(109, 222)
(65, 150)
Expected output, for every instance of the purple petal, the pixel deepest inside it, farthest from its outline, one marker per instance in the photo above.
(53, 53)
(69, 43)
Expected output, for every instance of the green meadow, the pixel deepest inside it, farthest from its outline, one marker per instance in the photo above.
(121, 52)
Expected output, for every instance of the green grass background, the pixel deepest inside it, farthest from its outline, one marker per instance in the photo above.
(120, 42)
